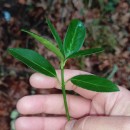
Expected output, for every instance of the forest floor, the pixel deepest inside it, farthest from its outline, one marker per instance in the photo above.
(107, 24)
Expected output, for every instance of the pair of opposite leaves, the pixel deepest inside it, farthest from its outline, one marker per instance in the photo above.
(73, 41)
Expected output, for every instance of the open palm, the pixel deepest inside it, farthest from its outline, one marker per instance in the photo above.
(89, 111)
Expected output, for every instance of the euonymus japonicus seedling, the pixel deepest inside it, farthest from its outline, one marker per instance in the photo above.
(68, 48)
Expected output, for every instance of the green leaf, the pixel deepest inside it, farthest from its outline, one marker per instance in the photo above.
(46, 43)
(74, 38)
(87, 52)
(94, 83)
(55, 35)
(33, 60)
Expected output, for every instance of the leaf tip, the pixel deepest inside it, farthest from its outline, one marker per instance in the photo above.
(23, 30)
(116, 88)
(47, 20)
(102, 49)
(10, 49)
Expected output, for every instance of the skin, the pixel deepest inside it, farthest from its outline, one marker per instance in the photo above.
(89, 111)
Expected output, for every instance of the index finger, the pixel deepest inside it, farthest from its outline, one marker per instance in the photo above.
(38, 80)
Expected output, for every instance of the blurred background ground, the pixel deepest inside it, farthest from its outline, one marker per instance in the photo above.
(107, 23)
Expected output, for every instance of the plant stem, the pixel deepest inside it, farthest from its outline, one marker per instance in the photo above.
(90, 3)
(63, 91)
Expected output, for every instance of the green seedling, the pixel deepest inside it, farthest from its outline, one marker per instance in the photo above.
(69, 48)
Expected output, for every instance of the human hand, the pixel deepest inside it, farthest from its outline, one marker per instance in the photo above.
(89, 111)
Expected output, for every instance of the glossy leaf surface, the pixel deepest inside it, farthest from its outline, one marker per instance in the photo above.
(33, 60)
(94, 83)
(87, 52)
(74, 37)
(55, 35)
(46, 43)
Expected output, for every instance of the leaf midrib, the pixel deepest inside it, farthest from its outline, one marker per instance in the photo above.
(73, 39)
(89, 83)
(49, 44)
(83, 53)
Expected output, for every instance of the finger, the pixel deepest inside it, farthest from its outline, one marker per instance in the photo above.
(53, 104)
(99, 123)
(40, 123)
(38, 80)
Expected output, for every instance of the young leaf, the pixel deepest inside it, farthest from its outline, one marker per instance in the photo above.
(46, 43)
(33, 60)
(86, 52)
(74, 38)
(94, 83)
(55, 35)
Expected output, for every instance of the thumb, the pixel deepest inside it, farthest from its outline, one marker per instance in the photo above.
(99, 123)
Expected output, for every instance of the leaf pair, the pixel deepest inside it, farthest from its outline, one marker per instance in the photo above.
(35, 61)
(73, 40)
(74, 37)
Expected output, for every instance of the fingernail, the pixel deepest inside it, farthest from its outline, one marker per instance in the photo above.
(70, 125)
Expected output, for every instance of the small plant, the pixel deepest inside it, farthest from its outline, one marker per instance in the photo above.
(70, 48)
